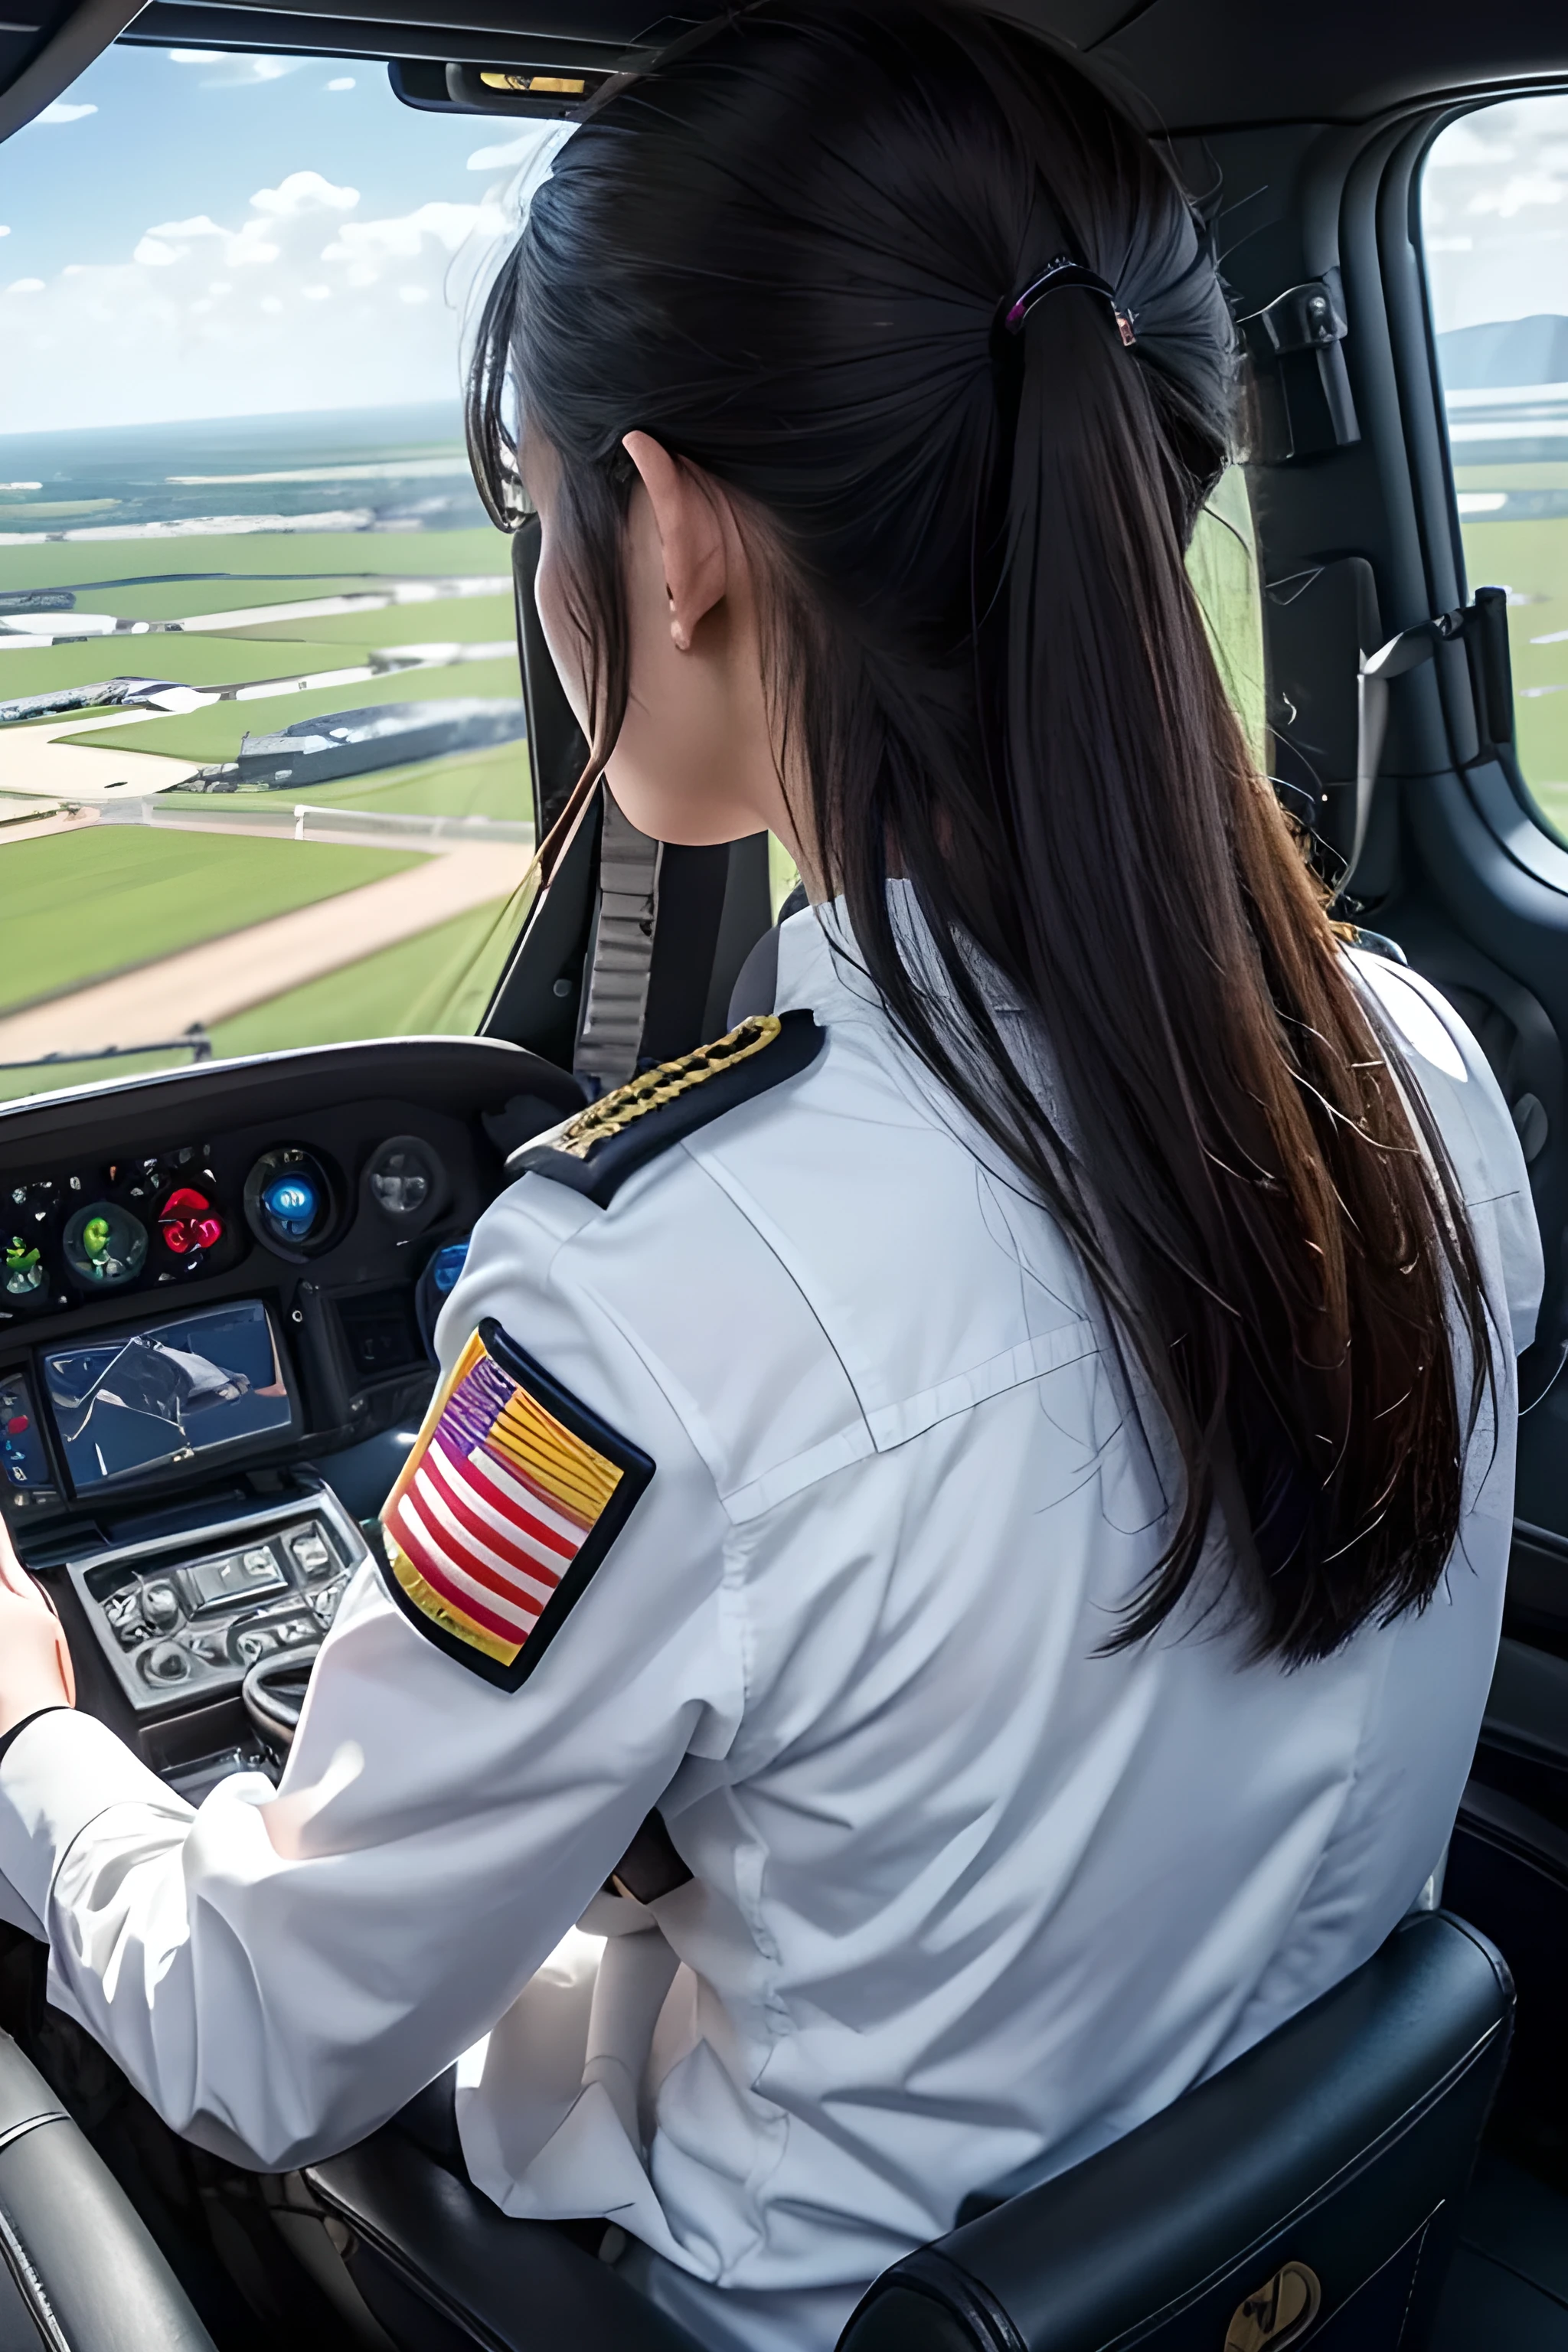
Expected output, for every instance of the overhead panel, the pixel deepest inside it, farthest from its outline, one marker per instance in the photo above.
(44, 47)
(601, 35)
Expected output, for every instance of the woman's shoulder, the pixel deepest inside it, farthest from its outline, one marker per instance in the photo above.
(811, 1277)
(1443, 1057)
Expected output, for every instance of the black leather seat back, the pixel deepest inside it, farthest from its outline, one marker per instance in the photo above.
(80, 2271)
(1310, 2191)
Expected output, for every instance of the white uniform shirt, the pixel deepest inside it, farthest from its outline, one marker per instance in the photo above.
(966, 1893)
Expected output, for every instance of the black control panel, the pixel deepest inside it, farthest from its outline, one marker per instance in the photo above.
(185, 1621)
(126, 1268)
(217, 1293)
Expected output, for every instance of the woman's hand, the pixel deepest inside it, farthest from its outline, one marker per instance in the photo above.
(34, 1660)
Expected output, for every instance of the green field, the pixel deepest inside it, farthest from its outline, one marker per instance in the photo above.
(206, 660)
(493, 783)
(1222, 565)
(213, 734)
(282, 566)
(455, 620)
(81, 905)
(437, 982)
(1531, 559)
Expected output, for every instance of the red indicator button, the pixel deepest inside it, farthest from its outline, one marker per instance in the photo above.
(188, 1221)
(17, 1425)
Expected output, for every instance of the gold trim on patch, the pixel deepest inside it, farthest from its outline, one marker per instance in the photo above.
(664, 1084)
(442, 1612)
(1278, 2313)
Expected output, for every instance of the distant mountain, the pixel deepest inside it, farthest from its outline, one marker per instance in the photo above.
(1505, 352)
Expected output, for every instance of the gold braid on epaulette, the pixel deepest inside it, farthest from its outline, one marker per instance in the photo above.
(664, 1084)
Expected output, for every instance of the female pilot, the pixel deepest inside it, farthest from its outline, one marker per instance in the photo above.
(1012, 1454)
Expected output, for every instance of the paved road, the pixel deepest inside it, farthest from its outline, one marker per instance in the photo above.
(33, 761)
(227, 976)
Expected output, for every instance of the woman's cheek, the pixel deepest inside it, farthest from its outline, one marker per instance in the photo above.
(566, 649)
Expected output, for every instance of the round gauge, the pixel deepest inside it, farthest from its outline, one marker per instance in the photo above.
(405, 1181)
(104, 1245)
(188, 1224)
(435, 1286)
(288, 1202)
(23, 1274)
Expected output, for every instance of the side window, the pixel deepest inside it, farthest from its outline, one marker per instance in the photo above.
(263, 775)
(1495, 225)
(1222, 565)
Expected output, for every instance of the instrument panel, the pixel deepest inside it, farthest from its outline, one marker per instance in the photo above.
(219, 1288)
(238, 1265)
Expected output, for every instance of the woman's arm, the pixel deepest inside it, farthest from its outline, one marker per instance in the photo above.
(280, 1970)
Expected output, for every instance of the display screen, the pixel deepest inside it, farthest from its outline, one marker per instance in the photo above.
(142, 1399)
(24, 1465)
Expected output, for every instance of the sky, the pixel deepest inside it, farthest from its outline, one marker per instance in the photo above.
(191, 234)
(1495, 212)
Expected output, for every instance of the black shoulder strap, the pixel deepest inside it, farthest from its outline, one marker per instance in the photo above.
(596, 1151)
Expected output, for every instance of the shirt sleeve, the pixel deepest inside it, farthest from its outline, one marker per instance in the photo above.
(280, 1970)
(1477, 1129)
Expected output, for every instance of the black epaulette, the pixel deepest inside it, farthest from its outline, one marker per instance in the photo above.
(596, 1151)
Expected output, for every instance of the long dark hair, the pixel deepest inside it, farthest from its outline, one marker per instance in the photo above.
(790, 254)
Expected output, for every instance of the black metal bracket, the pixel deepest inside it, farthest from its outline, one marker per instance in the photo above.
(1304, 393)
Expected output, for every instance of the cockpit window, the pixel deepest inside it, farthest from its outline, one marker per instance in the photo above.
(263, 775)
(1495, 221)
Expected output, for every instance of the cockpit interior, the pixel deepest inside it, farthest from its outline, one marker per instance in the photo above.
(220, 1272)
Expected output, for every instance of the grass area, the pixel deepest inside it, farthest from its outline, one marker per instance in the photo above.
(189, 661)
(1222, 565)
(493, 783)
(50, 1077)
(1531, 559)
(80, 905)
(322, 563)
(447, 620)
(214, 734)
(437, 982)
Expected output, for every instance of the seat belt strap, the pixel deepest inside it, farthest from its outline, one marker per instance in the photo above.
(621, 962)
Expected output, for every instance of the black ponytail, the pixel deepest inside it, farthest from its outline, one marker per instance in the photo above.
(791, 255)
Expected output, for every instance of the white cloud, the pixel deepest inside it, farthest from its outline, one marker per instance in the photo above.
(344, 81)
(202, 224)
(4, 231)
(448, 225)
(1462, 143)
(303, 192)
(205, 319)
(497, 158)
(1524, 188)
(236, 72)
(60, 112)
(26, 286)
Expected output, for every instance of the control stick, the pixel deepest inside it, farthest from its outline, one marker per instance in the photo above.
(274, 1692)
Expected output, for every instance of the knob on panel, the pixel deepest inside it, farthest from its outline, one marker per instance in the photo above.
(406, 1182)
(290, 1202)
(165, 1662)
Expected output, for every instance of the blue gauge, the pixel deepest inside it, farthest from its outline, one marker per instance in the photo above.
(447, 1266)
(439, 1278)
(290, 1204)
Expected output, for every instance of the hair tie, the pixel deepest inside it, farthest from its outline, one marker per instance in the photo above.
(1065, 271)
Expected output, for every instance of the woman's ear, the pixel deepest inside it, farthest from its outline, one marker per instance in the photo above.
(691, 532)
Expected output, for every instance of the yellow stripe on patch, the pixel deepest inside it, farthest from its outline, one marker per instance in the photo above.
(573, 1471)
(445, 1614)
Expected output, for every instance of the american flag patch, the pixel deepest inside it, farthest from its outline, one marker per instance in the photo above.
(511, 1497)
